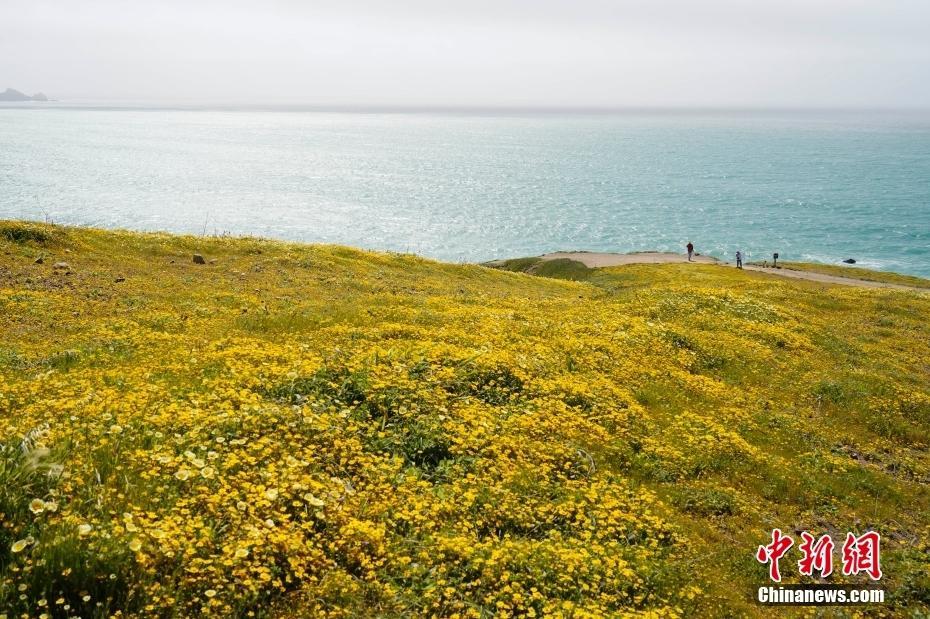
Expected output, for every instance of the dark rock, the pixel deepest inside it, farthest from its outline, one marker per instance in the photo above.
(198, 259)
(120, 279)
(849, 261)
(14, 95)
(40, 260)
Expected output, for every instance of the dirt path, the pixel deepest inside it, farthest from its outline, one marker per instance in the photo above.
(597, 259)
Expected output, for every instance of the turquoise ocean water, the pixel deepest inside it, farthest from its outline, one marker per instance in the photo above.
(815, 186)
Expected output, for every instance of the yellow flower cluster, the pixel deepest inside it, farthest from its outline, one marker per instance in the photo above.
(318, 431)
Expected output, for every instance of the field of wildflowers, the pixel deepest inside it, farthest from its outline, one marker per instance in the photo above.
(316, 431)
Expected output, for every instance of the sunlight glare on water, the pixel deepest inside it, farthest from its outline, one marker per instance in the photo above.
(812, 186)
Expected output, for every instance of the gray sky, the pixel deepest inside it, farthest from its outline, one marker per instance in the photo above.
(849, 53)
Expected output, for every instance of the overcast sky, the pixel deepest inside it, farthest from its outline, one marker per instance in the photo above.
(604, 53)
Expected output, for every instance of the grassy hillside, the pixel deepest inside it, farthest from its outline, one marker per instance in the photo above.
(559, 268)
(858, 273)
(315, 430)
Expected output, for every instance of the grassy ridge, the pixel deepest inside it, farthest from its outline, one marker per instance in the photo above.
(859, 273)
(559, 268)
(322, 431)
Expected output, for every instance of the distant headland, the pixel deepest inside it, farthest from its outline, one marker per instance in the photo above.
(14, 95)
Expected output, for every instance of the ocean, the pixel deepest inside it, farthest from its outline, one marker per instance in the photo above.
(467, 186)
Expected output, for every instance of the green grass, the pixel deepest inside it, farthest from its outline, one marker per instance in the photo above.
(559, 268)
(24, 233)
(565, 268)
(482, 418)
(562, 268)
(858, 273)
(517, 265)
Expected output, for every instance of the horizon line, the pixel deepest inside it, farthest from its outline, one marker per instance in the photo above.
(440, 108)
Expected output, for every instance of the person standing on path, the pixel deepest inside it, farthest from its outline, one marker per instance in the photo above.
(690, 248)
(739, 259)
